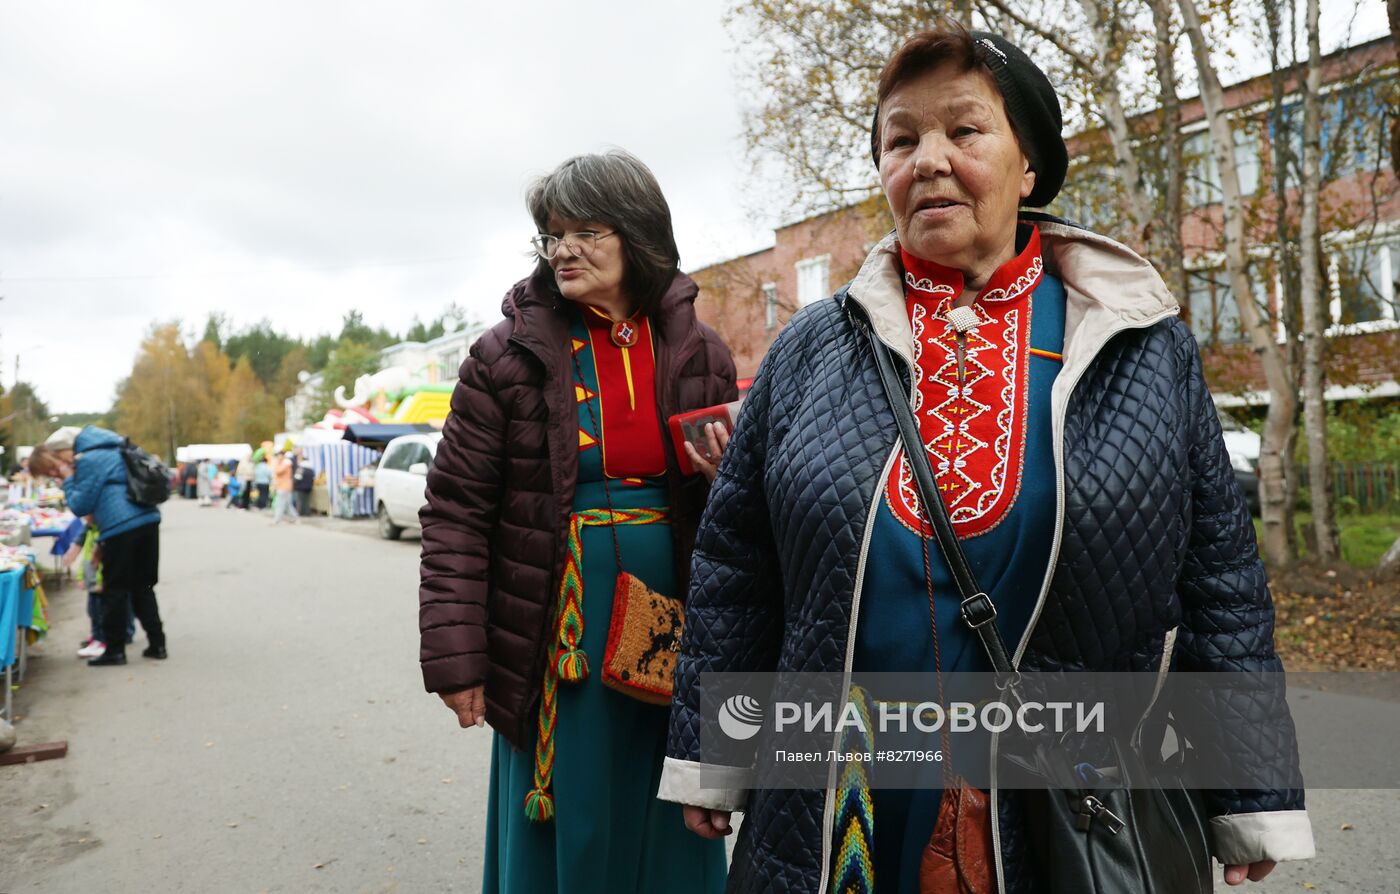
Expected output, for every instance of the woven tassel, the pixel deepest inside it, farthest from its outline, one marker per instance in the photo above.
(573, 666)
(539, 806)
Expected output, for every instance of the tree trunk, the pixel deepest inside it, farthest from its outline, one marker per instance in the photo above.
(1107, 56)
(1280, 424)
(1314, 324)
(1167, 249)
(1286, 257)
(1390, 562)
(1393, 13)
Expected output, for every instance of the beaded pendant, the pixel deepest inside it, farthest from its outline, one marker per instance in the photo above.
(624, 333)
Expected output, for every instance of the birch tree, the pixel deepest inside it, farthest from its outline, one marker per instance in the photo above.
(1324, 519)
(1280, 425)
(1390, 562)
(1167, 235)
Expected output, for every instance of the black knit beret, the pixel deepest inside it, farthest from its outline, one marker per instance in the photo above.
(1032, 107)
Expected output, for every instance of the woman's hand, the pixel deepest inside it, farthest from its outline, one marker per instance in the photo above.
(468, 704)
(1236, 873)
(705, 822)
(718, 438)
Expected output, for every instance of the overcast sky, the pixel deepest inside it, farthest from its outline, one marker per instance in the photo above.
(260, 158)
(292, 161)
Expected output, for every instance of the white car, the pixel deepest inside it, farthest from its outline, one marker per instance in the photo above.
(1243, 446)
(400, 480)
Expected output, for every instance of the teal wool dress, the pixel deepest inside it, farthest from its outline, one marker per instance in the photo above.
(608, 834)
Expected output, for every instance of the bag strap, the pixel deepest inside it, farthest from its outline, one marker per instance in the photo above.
(977, 609)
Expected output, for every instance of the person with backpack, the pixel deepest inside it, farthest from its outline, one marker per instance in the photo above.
(104, 476)
(303, 480)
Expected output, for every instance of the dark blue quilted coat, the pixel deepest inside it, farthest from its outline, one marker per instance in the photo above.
(1155, 533)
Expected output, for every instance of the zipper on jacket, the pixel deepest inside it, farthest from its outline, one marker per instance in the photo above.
(1057, 426)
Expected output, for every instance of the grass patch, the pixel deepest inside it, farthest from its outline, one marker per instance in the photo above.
(1365, 538)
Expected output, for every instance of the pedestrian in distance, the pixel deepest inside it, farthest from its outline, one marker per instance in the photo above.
(303, 480)
(204, 482)
(243, 474)
(189, 481)
(1057, 407)
(602, 337)
(282, 484)
(94, 478)
(262, 480)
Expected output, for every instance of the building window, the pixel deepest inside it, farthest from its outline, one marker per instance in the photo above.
(770, 305)
(812, 279)
(1365, 288)
(1215, 316)
(1088, 197)
(1203, 174)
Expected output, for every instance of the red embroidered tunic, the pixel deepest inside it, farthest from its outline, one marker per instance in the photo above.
(972, 419)
(622, 390)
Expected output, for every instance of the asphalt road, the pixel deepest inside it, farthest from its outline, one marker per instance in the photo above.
(287, 744)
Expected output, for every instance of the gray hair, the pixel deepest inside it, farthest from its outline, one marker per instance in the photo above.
(616, 189)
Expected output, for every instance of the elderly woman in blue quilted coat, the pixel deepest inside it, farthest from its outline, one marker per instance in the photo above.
(95, 483)
(1071, 435)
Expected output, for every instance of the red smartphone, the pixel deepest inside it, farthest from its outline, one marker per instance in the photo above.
(691, 427)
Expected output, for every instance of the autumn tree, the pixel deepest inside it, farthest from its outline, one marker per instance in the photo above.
(158, 404)
(244, 416)
(25, 419)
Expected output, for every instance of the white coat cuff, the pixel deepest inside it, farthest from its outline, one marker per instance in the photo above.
(713, 786)
(1279, 835)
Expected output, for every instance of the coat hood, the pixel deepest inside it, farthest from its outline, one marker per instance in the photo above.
(92, 437)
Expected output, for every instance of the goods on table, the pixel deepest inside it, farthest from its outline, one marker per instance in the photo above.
(48, 518)
(12, 557)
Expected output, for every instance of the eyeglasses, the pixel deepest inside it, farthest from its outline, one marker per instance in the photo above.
(581, 243)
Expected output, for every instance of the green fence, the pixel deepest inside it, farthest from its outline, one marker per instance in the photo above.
(1360, 487)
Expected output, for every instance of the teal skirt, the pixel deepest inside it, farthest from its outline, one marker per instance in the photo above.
(609, 835)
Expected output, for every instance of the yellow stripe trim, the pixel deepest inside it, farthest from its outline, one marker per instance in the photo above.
(627, 368)
(1048, 355)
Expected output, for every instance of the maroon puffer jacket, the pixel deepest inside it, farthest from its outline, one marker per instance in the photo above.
(501, 490)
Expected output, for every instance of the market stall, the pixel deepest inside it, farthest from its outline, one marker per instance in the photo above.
(338, 465)
(377, 436)
(220, 453)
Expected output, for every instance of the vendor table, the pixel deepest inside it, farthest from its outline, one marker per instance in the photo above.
(16, 615)
(55, 533)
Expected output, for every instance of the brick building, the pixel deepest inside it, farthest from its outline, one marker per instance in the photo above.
(749, 298)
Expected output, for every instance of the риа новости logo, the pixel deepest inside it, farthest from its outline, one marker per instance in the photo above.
(740, 716)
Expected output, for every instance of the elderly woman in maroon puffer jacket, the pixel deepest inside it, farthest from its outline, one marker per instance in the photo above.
(554, 476)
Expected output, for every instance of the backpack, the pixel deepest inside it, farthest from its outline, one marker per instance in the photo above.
(147, 480)
(304, 477)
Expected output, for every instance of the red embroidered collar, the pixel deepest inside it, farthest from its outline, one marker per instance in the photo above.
(1016, 277)
(972, 415)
